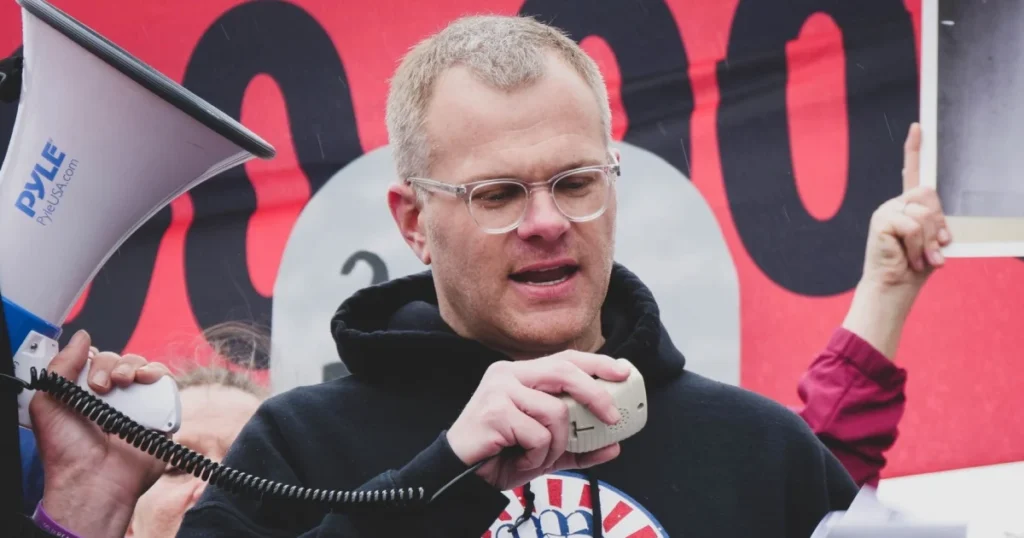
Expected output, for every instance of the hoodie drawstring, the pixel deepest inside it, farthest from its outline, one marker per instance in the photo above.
(528, 507)
(595, 503)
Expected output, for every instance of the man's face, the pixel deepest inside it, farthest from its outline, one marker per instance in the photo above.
(498, 288)
(211, 418)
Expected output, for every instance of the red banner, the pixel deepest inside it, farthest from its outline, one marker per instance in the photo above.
(787, 116)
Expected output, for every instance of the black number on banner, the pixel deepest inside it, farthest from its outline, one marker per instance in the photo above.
(656, 90)
(795, 250)
(8, 111)
(112, 309)
(377, 265)
(283, 41)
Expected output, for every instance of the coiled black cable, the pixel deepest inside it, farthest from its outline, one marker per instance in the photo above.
(157, 444)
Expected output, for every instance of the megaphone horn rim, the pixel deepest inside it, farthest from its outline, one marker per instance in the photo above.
(149, 78)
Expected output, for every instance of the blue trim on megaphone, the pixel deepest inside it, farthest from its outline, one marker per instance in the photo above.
(20, 322)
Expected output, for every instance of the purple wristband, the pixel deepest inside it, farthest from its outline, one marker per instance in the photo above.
(43, 521)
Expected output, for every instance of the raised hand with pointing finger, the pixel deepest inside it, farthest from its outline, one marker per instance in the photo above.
(904, 246)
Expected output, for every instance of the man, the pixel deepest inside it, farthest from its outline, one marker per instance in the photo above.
(524, 303)
(453, 368)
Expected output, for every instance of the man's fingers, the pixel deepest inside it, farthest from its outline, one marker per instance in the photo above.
(533, 437)
(562, 376)
(151, 373)
(601, 366)
(70, 360)
(551, 412)
(108, 370)
(125, 370)
(101, 366)
(912, 158)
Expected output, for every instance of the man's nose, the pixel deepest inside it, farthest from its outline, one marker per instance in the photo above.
(543, 219)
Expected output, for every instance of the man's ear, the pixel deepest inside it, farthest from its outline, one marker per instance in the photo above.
(406, 212)
(616, 155)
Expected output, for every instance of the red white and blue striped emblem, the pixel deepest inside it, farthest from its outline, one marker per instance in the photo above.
(563, 508)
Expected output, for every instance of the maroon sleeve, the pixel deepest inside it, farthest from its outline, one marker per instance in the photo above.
(853, 399)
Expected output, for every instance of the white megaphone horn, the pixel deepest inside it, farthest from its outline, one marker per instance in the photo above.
(101, 142)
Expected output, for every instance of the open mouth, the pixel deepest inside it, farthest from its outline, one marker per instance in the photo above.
(546, 277)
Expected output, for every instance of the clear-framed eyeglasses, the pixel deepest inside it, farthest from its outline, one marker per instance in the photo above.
(499, 205)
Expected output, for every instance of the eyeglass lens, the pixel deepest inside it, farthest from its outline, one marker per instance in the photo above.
(500, 204)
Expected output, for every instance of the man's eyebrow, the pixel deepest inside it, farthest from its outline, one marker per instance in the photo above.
(550, 172)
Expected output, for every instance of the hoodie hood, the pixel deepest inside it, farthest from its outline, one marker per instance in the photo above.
(393, 332)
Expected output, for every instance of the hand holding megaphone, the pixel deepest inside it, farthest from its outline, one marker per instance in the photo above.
(93, 479)
(155, 406)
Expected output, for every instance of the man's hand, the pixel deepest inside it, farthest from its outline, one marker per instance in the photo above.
(903, 249)
(517, 404)
(92, 479)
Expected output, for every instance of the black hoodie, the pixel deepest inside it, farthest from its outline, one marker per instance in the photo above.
(713, 460)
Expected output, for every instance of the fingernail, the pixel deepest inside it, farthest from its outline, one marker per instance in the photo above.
(616, 416)
(77, 338)
(101, 378)
(944, 235)
(936, 257)
(123, 371)
(622, 366)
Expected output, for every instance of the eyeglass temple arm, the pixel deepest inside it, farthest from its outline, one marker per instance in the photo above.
(437, 185)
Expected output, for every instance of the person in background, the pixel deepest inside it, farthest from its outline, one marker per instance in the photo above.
(216, 403)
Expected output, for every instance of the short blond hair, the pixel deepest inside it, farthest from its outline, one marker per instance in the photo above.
(243, 345)
(506, 52)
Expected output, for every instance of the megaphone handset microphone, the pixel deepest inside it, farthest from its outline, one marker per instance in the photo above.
(63, 189)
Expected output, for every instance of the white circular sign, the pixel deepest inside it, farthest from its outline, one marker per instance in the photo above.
(345, 240)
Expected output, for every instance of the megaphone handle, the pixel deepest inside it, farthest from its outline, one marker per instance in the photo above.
(156, 406)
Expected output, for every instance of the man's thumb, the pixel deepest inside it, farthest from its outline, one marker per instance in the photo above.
(71, 360)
